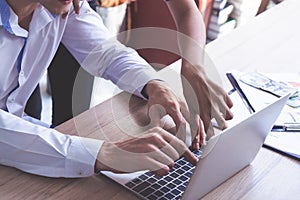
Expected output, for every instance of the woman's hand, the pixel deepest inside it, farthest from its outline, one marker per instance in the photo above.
(205, 99)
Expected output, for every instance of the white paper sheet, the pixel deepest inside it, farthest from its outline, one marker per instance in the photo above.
(287, 142)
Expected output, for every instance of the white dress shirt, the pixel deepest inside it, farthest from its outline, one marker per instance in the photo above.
(25, 56)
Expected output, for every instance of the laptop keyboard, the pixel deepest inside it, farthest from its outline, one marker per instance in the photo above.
(171, 186)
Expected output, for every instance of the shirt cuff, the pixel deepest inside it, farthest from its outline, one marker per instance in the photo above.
(81, 157)
(143, 79)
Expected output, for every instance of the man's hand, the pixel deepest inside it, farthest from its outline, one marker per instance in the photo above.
(156, 151)
(161, 101)
(205, 99)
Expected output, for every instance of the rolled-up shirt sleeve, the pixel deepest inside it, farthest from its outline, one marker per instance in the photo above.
(102, 55)
(43, 151)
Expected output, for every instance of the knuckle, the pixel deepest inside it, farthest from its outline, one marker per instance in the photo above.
(181, 145)
(150, 148)
(182, 121)
(158, 130)
(173, 104)
(155, 138)
(172, 101)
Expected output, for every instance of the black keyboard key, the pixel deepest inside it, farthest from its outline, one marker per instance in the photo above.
(174, 175)
(198, 153)
(171, 185)
(176, 165)
(179, 171)
(185, 183)
(182, 162)
(163, 198)
(188, 174)
(181, 188)
(168, 178)
(158, 193)
(186, 168)
(149, 174)
(151, 180)
(162, 182)
(157, 177)
(130, 185)
(169, 196)
(152, 197)
(176, 192)
(165, 189)
(143, 177)
(183, 178)
(156, 186)
(171, 170)
(177, 181)
(141, 186)
(190, 165)
(136, 181)
(147, 191)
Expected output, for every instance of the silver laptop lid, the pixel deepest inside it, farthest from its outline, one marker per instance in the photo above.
(232, 150)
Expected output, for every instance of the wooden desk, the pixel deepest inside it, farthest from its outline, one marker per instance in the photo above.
(270, 42)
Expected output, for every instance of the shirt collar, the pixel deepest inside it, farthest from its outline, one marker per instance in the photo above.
(41, 17)
(9, 20)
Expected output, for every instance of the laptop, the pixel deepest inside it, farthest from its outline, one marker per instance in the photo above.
(224, 155)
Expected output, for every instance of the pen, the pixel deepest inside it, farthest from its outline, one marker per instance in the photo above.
(236, 86)
(288, 127)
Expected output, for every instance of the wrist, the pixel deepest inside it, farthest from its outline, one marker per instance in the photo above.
(188, 69)
(150, 87)
(99, 166)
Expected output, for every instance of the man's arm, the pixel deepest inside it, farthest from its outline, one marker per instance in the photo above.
(100, 54)
(44, 151)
